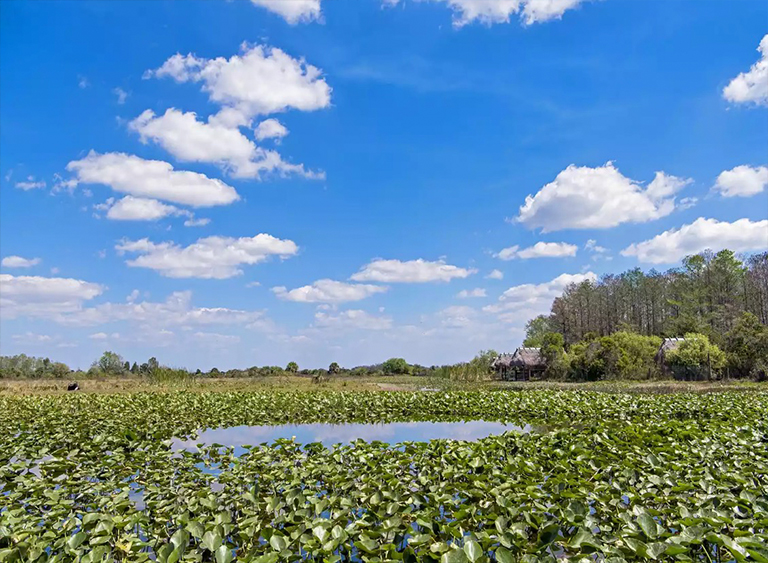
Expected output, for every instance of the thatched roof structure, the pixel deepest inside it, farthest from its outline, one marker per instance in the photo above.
(502, 360)
(667, 346)
(528, 357)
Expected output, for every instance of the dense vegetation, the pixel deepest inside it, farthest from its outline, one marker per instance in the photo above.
(608, 478)
(612, 328)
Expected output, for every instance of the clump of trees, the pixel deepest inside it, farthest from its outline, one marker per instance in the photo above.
(612, 328)
(30, 367)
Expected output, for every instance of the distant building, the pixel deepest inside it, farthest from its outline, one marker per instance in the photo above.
(525, 364)
(667, 345)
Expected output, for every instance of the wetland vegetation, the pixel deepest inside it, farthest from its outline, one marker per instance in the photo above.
(615, 477)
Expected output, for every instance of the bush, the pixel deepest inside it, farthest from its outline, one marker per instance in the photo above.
(696, 355)
(395, 366)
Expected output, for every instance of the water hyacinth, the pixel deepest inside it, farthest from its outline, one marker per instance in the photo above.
(607, 478)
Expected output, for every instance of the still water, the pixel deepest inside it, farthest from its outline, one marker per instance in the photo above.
(330, 434)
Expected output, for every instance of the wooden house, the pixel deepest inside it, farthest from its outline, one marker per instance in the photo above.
(525, 364)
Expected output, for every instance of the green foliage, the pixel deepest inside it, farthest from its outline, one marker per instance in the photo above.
(535, 330)
(553, 352)
(395, 366)
(622, 355)
(746, 346)
(110, 363)
(696, 351)
(292, 367)
(605, 477)
(23, 366)
(334, 368)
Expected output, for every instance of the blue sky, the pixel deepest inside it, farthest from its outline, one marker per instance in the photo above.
(245, 183)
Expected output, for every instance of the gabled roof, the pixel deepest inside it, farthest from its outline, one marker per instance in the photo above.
(528, 357)
(670, 344)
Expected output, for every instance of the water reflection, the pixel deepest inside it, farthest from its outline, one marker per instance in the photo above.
(330, 434)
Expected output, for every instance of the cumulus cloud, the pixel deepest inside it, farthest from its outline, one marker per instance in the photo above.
(742, 181)
(490, 12)
(154, 317)
(293, 11)
(19, 262)
(38, 296)
(191, 140)
(592, 246)
(328, 291)
(495, 275)
(209, 258)
(528, 300)
(539, 250)
(270, 129)
(673, 245)
(581, 197)
(457, 316)
(411, 271)
(30, 184)
(193, 222)
(751, 86)
(153, 179)
(260, 81)
(352, 319)
(132, 208)
(467, 293)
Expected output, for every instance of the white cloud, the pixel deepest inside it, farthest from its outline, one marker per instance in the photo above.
(411, 271)
(152, 179)
(592, 246)
(539, 250)
(191, 140)
(30, 184)
(328, 291)
(457, 316)
(253, 284)
(210, 258)
(132, 208)
(598, 198)
(352, 319)
(673, 245)
(176, 310)
(490, 12)
(82, 82)
(270, 129)
(41, 296)
(31, 338)
(467, 293)
(528, 300)
(121, 94)
(201, 222)
(742, 181)
(495, 275)
(751, 86)
(104, 336)
(292, 11)
(19, 262)
(260, 81)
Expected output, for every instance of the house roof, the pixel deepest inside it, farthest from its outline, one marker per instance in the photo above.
(525, 356)
(671, 344)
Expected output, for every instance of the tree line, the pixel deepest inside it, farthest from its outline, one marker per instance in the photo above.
(613, 327)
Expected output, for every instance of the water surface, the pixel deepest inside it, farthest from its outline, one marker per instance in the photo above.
(330, 434)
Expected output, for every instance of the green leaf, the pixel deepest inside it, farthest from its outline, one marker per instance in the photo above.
(454, 556)
(648, 525)
(278, 542)
(224, 554)
(472, 550)
(503, 555)
(75, 541)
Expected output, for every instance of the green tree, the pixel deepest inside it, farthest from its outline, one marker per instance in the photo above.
(395, 366)
(535, 329)
(110, 363)
(697, 353)
(152, 364)
(59, 370)
(292, 367)
(553, 352)
(746, 347)
(334, 368)
(135, 368)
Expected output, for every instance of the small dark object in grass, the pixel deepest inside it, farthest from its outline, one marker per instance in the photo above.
(73, 387)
